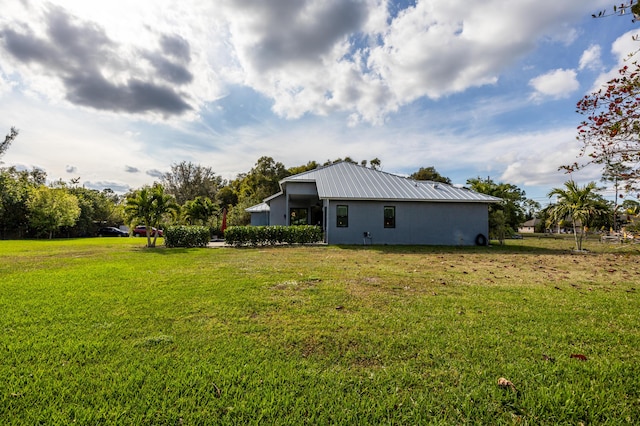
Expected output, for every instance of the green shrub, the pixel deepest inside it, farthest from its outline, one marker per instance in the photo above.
(270, 235)
(187, 236)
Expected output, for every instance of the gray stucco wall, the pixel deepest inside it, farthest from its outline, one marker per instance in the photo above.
(422, 223)
(260, 219)
(277, 211)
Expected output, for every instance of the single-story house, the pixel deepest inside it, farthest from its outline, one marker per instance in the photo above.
(529, 226)
(357, 205)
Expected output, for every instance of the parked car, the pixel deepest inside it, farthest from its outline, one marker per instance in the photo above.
(141, 231)
(110, 231)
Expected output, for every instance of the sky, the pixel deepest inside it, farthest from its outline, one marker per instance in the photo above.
(116, 92)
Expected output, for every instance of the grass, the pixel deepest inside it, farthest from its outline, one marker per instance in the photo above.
(104, 331)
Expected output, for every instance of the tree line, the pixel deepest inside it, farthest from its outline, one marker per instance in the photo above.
(189, 193)
(194, 194)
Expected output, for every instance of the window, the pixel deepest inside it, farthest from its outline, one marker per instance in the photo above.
(389, 217)
(298, 216)
(342, 213)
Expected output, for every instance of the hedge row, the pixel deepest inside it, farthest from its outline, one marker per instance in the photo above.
(270, 235)
(187, 236)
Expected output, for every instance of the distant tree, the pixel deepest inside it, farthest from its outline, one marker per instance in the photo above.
(429, 173)
(262, 181)
(13, 133)
(610, 135)
(531, 208)
(311, 165)
(97, 209)
(52, 208)
(580, 204)
(150, 205)
(631, 210)
(340, 160)
(186, 181)
(374, 164)
(631, 207)
(15, 188)
(545, 221)
(226, 197)
(199, 211)
(512, 211)
(611, 174)
(237, 216)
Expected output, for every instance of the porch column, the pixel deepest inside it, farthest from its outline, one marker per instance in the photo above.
(325, 221)
(287, 220)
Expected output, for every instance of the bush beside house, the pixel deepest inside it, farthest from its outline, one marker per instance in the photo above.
(187, 236)
(271, 235)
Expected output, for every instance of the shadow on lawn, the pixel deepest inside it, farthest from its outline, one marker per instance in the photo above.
(491, 249)
(512, 247)
(163, 250)
(495, 249)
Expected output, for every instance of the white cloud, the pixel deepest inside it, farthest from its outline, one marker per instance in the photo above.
(308, 56)
(5, 85)
(86, 54)
(330, 66)
(590, 58)
(556, 84)
(621, 48)
(369, 63)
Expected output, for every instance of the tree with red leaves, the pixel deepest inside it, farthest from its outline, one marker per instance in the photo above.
(610, 135)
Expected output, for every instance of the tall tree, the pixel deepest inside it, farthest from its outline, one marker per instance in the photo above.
(186, 181)
(97, 209)
(52, 208)
(506, 216)
(311, 165)
(13, 133)
(15, 188)
(263, 180)
(580, 204)
(375, 164)
(610, 135)
(430, 173)
(150, 205)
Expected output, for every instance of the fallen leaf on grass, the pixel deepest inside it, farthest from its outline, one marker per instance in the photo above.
(218, 391)
(579, 356)
(548, 358)
(504, 383)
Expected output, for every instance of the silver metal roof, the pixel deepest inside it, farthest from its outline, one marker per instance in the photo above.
(258, 208)
(342, 181)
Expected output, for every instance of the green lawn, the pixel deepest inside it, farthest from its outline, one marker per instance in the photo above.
(104, 331)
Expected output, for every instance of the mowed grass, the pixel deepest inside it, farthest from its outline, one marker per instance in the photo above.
(104, 331)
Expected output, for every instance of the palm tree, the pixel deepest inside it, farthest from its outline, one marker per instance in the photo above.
(199, 210)
(150, 205)
(580, 204)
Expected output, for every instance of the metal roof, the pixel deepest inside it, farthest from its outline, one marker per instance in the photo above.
(258, 208)
(348, 181)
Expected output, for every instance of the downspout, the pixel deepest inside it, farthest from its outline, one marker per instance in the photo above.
(326, 221)
(286, 209)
